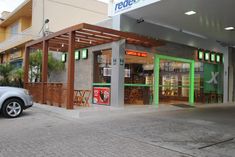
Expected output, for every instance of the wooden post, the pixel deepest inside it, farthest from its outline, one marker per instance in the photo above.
(26, 67)
(44, 69)
(70, 74)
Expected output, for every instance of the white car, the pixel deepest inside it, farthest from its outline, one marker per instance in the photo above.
(13, 101)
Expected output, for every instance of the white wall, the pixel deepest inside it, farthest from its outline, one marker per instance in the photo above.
(63, 14)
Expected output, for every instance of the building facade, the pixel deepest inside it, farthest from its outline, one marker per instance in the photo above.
(168, 21)
(36, 18)
(186, 67)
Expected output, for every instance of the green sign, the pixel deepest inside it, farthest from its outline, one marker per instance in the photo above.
(84, 53)
(77, 55)
(207, 56)
(63, 57)
(212, 57)
(218, 58)
(213, 78)
(200, 55)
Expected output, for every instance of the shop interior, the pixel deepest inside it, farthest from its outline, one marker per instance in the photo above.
(174, 79)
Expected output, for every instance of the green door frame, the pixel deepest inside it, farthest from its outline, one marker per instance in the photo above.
(157, 59)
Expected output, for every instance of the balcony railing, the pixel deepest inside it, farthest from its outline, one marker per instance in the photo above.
(16, 39)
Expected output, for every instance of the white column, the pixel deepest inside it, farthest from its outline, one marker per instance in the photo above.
(117, 78)
(226, 75)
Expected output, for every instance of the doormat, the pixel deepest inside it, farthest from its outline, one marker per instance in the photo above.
(182, 105)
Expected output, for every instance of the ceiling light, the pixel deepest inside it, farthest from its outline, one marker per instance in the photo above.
(190, 13)
(229, 28)
(62, 45)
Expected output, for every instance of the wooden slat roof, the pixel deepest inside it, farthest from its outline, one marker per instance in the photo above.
(87, 35)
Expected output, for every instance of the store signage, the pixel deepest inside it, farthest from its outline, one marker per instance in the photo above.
(218, 58)
(213, 79)
(84, 53)
(77, 55)
(211, 57)
(138, 54)
(200, 55)
(114, 61)
(63, 57)
(101, 95)
(122, 6)
(121, 61)
(207, 56)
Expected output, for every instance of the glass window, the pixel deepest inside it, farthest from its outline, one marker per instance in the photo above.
(14, 29)
(102, 66)
(139, 73)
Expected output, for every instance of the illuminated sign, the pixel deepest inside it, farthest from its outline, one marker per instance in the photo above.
(63, 57)
(207, 56)
(77, 55)
(138, 54)
(200, 55)
(212, 57)
(218, 58)
(84, 53)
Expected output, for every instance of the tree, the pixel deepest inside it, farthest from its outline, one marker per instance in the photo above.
(17, 77)
(54, 65)
(5, 72)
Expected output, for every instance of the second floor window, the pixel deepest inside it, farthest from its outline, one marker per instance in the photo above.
(14, 29)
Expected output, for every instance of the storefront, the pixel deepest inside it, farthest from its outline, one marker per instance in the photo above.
(132, 70)
(184, 75)
(186, 35)
(120, 74)
(138, 75)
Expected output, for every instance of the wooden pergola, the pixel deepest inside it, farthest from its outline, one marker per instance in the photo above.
(68, 40)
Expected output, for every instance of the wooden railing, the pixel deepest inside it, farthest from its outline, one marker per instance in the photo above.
(35, 89)
(55, 94)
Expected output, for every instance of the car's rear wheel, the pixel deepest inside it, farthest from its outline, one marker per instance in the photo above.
(12, 108)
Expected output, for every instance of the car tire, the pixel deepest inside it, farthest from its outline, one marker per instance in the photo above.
(12, 108)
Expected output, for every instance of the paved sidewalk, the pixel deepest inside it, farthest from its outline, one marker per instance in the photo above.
(100, 110)
(134, 131)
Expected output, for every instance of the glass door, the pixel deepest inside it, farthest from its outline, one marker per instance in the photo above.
(174, 81)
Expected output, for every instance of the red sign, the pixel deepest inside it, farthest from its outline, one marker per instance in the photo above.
(138, 54)
(101, 95)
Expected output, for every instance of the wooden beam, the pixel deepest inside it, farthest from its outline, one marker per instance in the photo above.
(26, 67)
(122, 34)
(44, 69)
(70, 74)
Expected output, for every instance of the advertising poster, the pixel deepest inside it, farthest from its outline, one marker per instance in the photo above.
(101, 95)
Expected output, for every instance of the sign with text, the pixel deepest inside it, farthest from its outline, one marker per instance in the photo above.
(122, 6)
(135, 53)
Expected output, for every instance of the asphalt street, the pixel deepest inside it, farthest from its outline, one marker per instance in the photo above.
(189, 132)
